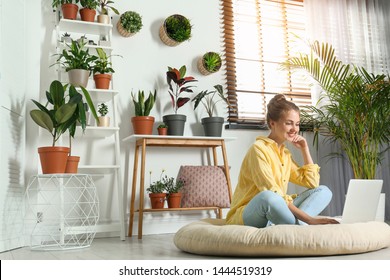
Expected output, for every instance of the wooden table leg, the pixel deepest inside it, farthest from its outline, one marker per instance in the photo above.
(141, 192)
(215, 156)
(133, 191)
(227, 171)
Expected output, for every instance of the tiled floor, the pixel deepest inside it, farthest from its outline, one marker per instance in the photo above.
(151, 247)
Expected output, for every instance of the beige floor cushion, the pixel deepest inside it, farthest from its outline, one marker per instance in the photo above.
(213, 237)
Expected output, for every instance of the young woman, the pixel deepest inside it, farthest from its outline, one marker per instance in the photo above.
(261, 198)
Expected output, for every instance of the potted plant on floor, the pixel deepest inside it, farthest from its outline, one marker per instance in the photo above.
(355, 107)
(102, 70)
(68, 7)
(129, 23)
(156, 192)
(178, 83)
(209, 63)
(175, 30)
(212, 125)
(172, 189)
(88, 11)
(142, 122)
(103, 119)
(78, 62)
(105, 6)
(55, 117)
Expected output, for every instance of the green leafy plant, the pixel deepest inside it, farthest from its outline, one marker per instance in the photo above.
(207, 98)
(172, 186)
(178, 28)
(354, 108)
(105, 6)
(61, 111)
(142, 106)
(103, 109)
(178, 83)
(57, 3)
(102, 64)
(212, 61)
(76, 57)
(165, 184)
(163, 125)
(131, 21)
(89, 4)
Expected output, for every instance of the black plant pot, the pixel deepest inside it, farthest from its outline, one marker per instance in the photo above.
(175, 124)
(212, 126)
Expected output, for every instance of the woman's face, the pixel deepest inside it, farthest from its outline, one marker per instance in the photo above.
(286, 127)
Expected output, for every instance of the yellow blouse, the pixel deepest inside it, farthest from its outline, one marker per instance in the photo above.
(266, 167)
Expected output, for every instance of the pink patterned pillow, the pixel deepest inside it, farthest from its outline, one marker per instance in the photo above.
(204, 186)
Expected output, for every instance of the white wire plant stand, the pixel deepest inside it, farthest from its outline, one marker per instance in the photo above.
(62, 211)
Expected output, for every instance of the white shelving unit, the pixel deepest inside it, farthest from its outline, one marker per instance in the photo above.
(96, 31)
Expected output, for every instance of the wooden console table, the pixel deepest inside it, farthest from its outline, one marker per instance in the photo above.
(142, 141)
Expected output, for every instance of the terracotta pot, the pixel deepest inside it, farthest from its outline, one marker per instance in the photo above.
(143, 124)
(104, 121)
(157, 200)
(53, 159)
(174, 200)
(162, 131)
(72, 164)
(102, 81)
(87, 14)
(69, 11)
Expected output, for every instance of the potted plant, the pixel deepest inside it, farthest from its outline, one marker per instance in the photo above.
(177, 84)
(129, 23)
(68, 7)
(142, 122)
(209, 63)
(156, 192)
(78, 62)
(355, 111)
(162, 129)
(175, 30)
(172, 189)
(212, 125)
(102, 70)
(103, 119)
(55, 117)
(105, 6)
(66, 38)
(88, 11)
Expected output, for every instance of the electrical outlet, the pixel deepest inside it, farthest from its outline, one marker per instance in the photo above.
(39, 217)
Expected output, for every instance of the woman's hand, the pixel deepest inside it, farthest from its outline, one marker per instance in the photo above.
(299, 142)
(322, 221)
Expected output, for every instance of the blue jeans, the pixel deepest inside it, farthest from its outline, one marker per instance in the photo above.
(269, 207)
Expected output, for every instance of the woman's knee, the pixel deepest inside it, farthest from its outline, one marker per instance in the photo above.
(325, 191)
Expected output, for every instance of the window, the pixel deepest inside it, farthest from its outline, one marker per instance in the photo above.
(258, 36)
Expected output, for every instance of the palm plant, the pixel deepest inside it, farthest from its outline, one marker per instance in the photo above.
(355, 108)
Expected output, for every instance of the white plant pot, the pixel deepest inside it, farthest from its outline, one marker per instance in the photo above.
(380, 212)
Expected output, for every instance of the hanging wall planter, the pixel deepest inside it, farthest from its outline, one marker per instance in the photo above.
(129, 23)
(209, 63)
(175, 30)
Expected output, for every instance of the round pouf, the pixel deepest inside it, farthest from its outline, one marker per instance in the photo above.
(214, 237)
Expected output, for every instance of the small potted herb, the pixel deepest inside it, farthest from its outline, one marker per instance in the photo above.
(105, 6)
(162, 129)
(156, 191)
(129, 23)
(175, 30)
(104, 120)
(88, 11)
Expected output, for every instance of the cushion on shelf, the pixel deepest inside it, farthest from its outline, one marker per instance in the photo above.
(214, 237)
(204, 186)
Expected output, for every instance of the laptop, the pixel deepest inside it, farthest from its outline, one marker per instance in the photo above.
(362, 200)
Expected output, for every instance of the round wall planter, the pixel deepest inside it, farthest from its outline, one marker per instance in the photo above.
(53, 159)
(175, 123)
(102, 81)
(78, 77)
(203, 65)
(87, 14)
(69, 11)
(166, 32)
(72, 164)
(143, 124)
(212, 126)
